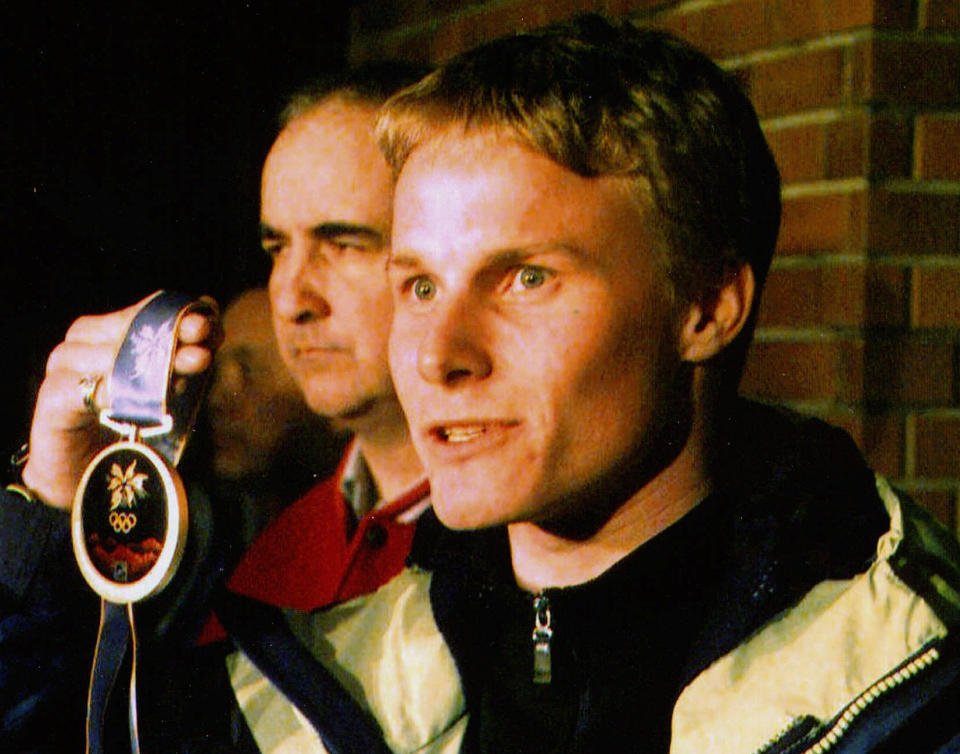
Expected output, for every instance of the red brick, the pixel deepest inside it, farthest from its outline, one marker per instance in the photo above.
(454, 36)
(792, 297)
(913, 223)
(557, 10)
(412, 46)
(938, 147)
(511, 18)
(821, 150)
(805, 19)
(937, 446)
(785, 370)
(738, 27)
(906, 370)
(374, 15)
(936, 297)
(906, 71)
(627, 7)
(886, 295)
(889, 149)
(410, 12)
(889, 14)
(720, 31)
(879, 436)
(799, 152)
(834, 295)
(806, 81)
(847, 148)
(940, 15)
(942, 504)
(852, 147)
(821, 223)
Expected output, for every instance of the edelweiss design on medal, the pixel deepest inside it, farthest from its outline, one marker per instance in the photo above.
(127, 487)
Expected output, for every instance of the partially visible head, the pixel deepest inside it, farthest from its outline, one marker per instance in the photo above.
(579, 217)
(603, 98)
(368, 85)
(253, 404)
(325, 219)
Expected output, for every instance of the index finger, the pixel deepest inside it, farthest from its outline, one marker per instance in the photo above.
(104, 328)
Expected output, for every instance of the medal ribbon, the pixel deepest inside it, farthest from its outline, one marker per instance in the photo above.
(155, 424)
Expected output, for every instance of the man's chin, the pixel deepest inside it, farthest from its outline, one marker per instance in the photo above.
(233, 472)
(461, 513)
(335, 406)
(355, 412)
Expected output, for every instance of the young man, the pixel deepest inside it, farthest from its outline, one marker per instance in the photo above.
(326, 211)
(583, 219)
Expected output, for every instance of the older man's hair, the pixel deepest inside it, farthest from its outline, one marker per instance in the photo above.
(370, 84)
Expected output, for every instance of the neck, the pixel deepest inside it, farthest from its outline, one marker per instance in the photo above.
(385, 443)
(544, 559)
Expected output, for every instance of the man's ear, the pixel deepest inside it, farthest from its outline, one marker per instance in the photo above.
(710, 326)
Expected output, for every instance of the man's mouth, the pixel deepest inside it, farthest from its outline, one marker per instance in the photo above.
(461, 433)
(319, 354)
(302, 349)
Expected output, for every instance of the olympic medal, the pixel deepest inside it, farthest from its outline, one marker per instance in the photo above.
(129, 522)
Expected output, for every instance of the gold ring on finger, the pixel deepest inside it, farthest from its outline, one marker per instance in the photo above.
(88, 390)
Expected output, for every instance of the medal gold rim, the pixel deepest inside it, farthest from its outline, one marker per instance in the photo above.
(173, 545)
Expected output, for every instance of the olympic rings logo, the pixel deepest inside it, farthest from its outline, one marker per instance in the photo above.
(121, 521)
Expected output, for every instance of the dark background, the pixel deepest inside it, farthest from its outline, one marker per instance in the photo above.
(134, 138)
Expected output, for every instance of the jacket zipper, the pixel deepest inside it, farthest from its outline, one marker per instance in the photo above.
(542, 634)
(865, 699)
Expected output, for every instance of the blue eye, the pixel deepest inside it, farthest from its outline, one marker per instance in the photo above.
(424, 289)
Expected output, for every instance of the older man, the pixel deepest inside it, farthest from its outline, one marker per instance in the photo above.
(326, 219)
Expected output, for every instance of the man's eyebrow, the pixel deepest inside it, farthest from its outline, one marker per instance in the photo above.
(267, 232)
(333, 230)
(500, 257)
(405, 260)
(328, 232)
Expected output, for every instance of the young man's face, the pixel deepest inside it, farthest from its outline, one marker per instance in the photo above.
(325, 212)
(533, 346)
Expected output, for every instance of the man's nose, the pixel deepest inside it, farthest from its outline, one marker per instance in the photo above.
(453, 350)
(297, 285)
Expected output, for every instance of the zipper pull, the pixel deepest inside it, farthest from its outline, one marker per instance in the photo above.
(542, 633)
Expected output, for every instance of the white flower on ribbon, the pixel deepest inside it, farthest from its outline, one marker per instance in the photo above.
(151, 347)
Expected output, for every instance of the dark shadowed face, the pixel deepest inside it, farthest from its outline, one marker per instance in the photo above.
(326, 214)
(253, 401)
(533, 345)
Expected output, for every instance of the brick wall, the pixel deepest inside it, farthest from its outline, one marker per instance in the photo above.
(860, 322)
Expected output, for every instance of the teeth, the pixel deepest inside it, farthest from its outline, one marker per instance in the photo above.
(461, 434)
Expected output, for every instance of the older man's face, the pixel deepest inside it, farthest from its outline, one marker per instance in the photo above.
(253, 402)
(325, 214)
(533, 345)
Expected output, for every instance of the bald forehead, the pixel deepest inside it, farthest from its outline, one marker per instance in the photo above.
(325, 167)
(335, 115)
